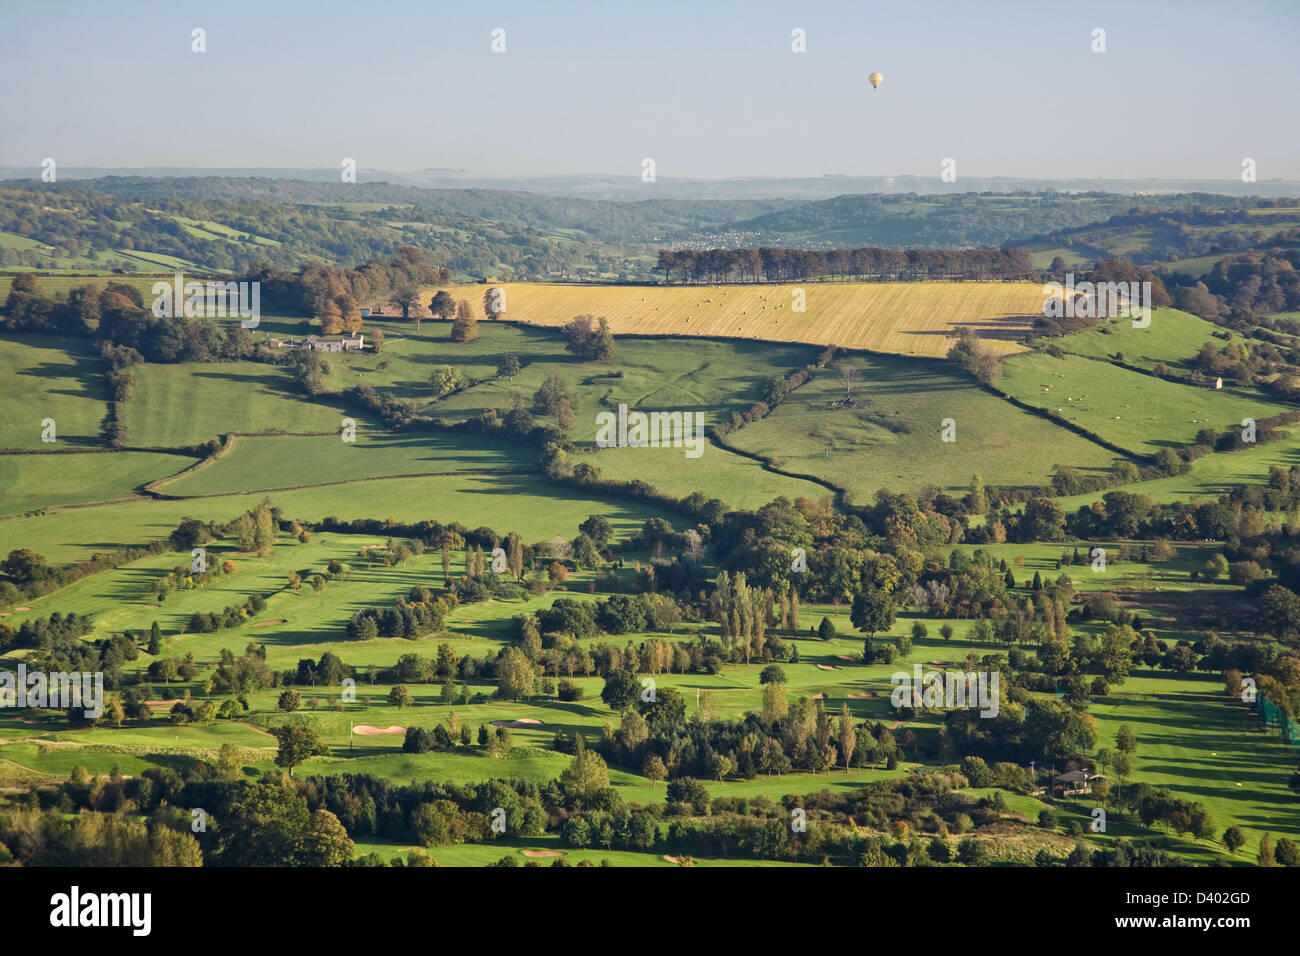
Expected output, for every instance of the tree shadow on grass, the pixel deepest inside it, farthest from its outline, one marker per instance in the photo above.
(180, 763)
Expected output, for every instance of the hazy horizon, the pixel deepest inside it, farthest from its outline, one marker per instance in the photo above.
(1007, 89)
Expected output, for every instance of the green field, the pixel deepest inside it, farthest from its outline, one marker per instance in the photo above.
(1173, 337)
(187, 404)
(525, 503)
(1123, 571)
(1204, 747)
(48, 377)
(711, 377)
(1191, 739)
(30, 482)
(714, 377)
(259, 463)
(1211, 475)
(1140, 413)
(891, 438)
(58, 286)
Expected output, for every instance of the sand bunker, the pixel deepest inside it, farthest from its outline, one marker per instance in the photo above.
(818, 696)
(22, 609)
(680, 861)
(827, 667)
(846, 657)
(862, 695)
(521, 722)
(543, 853)
(365, 730)
(278, 620)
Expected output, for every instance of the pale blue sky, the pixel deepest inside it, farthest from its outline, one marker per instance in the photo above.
(708, 89)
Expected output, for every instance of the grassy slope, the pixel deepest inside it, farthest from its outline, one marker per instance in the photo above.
(1173, 337)
(530, 506)
(1211, 476)
(1134, 411)
(50, 377)
(1004, 444)
(259, 463)
(29, 482)
(188, 403)
(711, 377)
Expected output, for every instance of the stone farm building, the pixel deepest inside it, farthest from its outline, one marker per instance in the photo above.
(347, 342)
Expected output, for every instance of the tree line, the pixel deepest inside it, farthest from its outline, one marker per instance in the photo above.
(766, 264)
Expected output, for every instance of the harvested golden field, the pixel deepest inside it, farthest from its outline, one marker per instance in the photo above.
(905, 318)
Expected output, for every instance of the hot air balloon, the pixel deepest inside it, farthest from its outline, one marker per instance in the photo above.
(875, 79)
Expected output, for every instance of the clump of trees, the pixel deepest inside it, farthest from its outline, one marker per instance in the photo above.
(590, 339)
(973, 356)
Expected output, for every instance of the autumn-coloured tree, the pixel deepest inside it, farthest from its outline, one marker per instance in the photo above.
(653, 769)
(331, 319)
(848, 736)
(515, 554)
(464, 329)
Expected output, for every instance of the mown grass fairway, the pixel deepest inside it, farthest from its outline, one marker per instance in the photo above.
(904, 318)
(1202, 745)
(1190, 738)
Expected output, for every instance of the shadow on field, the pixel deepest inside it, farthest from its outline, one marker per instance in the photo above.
(180, 763)
(62, 370)
(1001, 327)
(268, 383)
(370, 750)
(576, 708)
